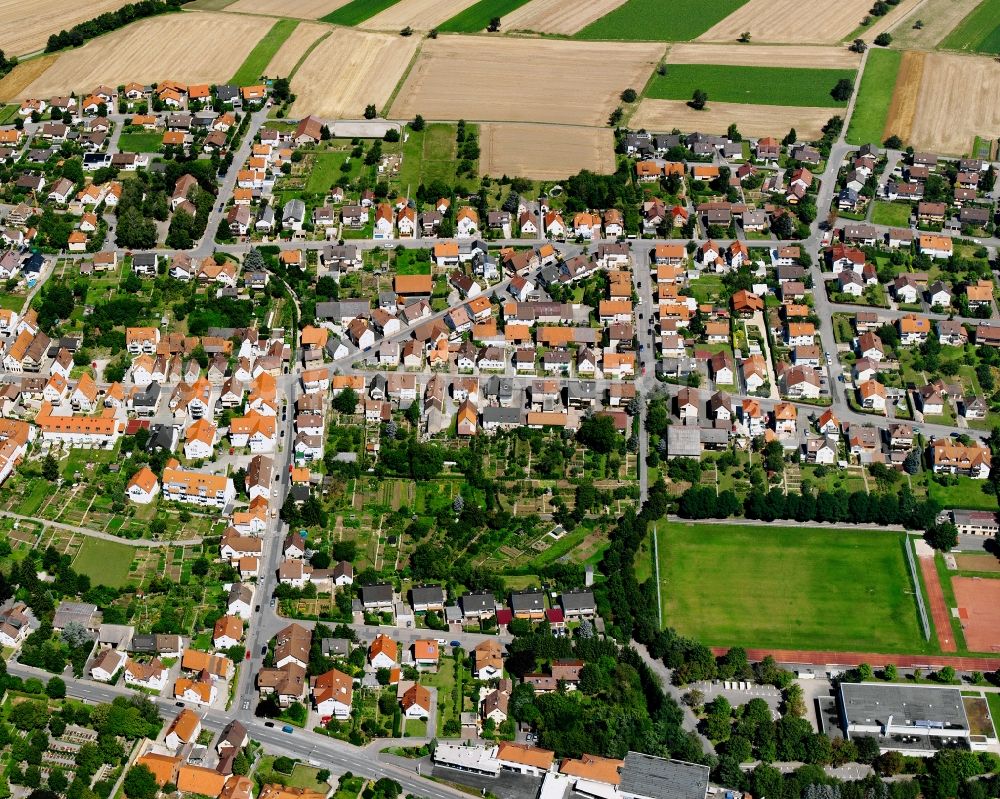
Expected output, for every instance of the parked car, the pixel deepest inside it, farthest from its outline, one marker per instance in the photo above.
(287, 728)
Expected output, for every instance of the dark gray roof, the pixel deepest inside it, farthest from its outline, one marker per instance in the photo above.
(477, 602)
(867, 703)
(529, 599)
(427, 594)
(579, 599)
(380, 593)
(143, 643)
(226, 92)
(495, 415)
(659, 778)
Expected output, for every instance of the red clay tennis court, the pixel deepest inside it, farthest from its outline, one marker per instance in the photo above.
(978, 601)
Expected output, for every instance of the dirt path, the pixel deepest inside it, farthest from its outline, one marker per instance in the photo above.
(814, 658)
(936, 604)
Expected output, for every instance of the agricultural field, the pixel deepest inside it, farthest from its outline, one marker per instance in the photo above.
(294, 49)
(267, 48)
(752, 120)
(645, 20)
(544, 152)
(874, 97)
(417, 14)
(755, 85)
(958, 99)
(299, 9)
(520, 96)
(195, 47)
(791, 588)
(357, 11)
(348, 70)
(557, 16)
(903, 105)
(26, 26)
(937, 18)
(792, 21)
(476, 17)
(23, 75)
(979, 32)
(765, 55)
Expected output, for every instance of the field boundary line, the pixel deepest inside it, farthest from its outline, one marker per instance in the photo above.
(399, 84)
(308, 51)
(924, 621)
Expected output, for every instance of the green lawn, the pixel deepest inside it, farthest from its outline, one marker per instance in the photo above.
(105, 562)
(788, 588)
(407, 264)
(256, 63)
(357, 11)
(894, 214)
(325, 172)
(477, 16)
(758, 85)
(428, 155)
(967, 494)
(993, 700)
(660, 20)
(8, 113)
(874, 96)
(140, 142)
(978, 32)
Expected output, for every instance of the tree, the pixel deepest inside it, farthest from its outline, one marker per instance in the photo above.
(894, 143)
(942, 536)
(494, 25)
(911, 464)
(890, 672)
(842, 91)
(598, 433)
(630, 95)
(346, 401)
(790, 138)
(55, 688)
(883, 39)
(140, 783)
(50, 469)
(698, 99)
(858, 46)
(418, 123)
(284, 764)
(371, 111)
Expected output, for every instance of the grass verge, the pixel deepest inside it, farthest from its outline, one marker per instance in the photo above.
(255, 64)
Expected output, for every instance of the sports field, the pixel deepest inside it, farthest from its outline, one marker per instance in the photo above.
(476, 17)
(104, 562)
(782, 587)
(650, 20)
(748, 84)
(979, 32)
(874, 96)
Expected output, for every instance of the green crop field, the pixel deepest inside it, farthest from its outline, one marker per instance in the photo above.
(105, 562)
(756, 85)
(477, 16)
(660, 20)
(893, 214)
(256, 63)
(874, 97)
(789, 588)
(979, 32)
(140, 142)
(357, 11)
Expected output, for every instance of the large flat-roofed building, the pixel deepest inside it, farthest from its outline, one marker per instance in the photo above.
(915, 719)
(477, 759)
(648, 777)
(975, 522)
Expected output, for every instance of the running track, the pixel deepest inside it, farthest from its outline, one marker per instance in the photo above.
(936, 605)
(805, 658)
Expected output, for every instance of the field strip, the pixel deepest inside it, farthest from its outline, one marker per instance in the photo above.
(544, 152)
(794, 21)
(23, 75)
(295, 48)
(772, 55)
(896, 17)
(752, 120)
(300, 9)
(25, 26)
(190, 47)
(420, 15)
(384, 111)
(558, 16)
(903, 107)
(263, 52)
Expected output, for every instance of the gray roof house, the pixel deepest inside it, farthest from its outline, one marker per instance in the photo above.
(577, 603)
(427, 597)
(478, 605)
(377, 597)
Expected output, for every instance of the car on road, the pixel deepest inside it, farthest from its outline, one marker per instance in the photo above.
(248, 654)
(221, 206)
(272, 602)
(257, 609)
(263, 649)
(179, 704)
(287, 728)
(442, 641)
(268, 723)
(246, 704)
(456, 643)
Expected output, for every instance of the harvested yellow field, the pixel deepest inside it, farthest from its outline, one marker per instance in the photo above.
(752, 120)
(796, 21)
(191, 47)
(959, 99)
(23, 75)
(421, 15)
(558, 16)
(298, 9)
(939, 18)
(348, 70)
(523, 80)
(544, 152)
(767, 55)
(25, 25)
(295, 46)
